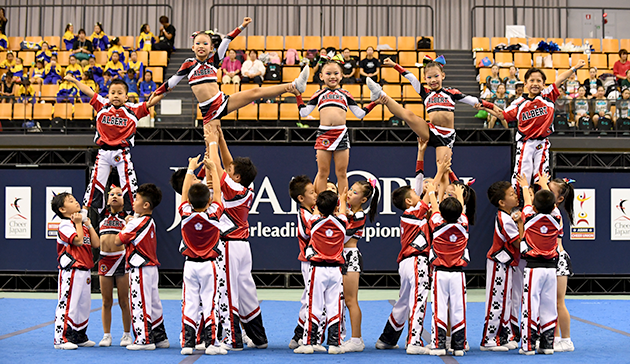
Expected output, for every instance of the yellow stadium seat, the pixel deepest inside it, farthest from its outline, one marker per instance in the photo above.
(599, 60)
(624, 44)
(375, 115)
(6, 111)
(158, 58)
(290, 73)
(534, 40)
(610, 45)
(256, 42)
(503, 57)
(310, 91)
(481, 43)
(14, 43)
(293, 41)
(52, 40)
(42, 111)
(368, 41)
(249, 112)
(582, 74)
(100, 57)
(127, 42)
(35, 39)
(274, 42)
(386, 114)
(431, 38)
(536, 55)
(238, 43)
(158, 74)
(230, 116)
(560, 60)
(415, 71)
(63, 58)
(417, 109)
(330, 41)
(390, 41)
(3, 56)
(483, 73)
(22, 111)
(63, 111)
(601, 71)
(312, 42)
(406, 43)
(558, 41)
(574, 41)
(354, 90)
(28, 58)
(289, 112)
(517, 40)
(407, 58)
(248, 86)
(410, 94)
(551, 75)
(504, 72)
(390, 75)
(351, 43)
(481, 55)
(143, 56)
(229, 89)
(575, 57)
(49, 92)
(393, 91)
(596, 43)
(495, 41)
(83, 112)
(267, 111)
(612, 58)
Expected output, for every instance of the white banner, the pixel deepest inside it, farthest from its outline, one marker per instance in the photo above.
(583, 214)
(52, 220)
(17, 213)
(620, 214)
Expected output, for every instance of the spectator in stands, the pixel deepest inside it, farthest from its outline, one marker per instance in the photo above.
(592, 83)
(621, 67)
(146, 40)
(116, 47)
(625, 84)
(317, 63)
(147, 86)
(89, 82)
(18, 69)
(492, 83)
(9, 61)
(97, 71)
(602, 116)
(8, 88)
(37, 73)
(511, 81)
(100, 40)
(114, 67)
(82, 47)
(74, 68)
(562, 110)
(369, 66)
(231, 68)
(131, 79)
(501, 100)
(253, 70)
(53, 72)
(3, 21)
(350, 66)
(570, 86)
(622, 113)
(69, 37)
(67, 92)
(580, 106)
(44, 54)
(26, 92)
(4, 42)
(167, 36)
(103, 87)
(134, 64)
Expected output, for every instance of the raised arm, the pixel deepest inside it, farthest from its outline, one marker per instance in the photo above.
(231, 35)
(193, 164)
(522, 181)
(212, 148)
(566, 74)
(435, 206)
(226, 156)
(216, 179)
(77, 220)
(543, 181)
(94, 238)
(81, 86)
(154, 99)
(419, 180)
(408, 75)
(343, 206)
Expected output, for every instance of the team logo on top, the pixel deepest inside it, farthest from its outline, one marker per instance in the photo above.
(198, 226)
(544, 230)
(325, 142)
(453, 238)
(329, 233)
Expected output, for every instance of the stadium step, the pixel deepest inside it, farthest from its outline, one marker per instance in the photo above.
(461, 74)
(182, 92)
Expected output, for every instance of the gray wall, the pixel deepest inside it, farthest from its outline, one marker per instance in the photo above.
(373, 17)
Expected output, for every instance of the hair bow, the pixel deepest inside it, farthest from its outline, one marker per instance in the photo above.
(208, 32)
(470, 182)
(372, 182)
(113, 186)
(441, 60)
(332, 56)
(568, 180)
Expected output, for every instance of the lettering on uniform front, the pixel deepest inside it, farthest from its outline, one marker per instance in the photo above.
(114, 120)
(530, 114)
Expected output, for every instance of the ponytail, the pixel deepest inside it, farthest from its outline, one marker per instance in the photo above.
(374, 205)
(470, 201)
(566, 191)
(370, 191)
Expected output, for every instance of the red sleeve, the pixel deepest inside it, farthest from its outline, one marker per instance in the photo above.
(140, 110)
(510, 113)
(97, 102)
(130, 231)
(551, 92)
(228, 187)
(185, 209)
(215, 210)
(436, 220)
(528, 211)
(67, 232)
(422, 211)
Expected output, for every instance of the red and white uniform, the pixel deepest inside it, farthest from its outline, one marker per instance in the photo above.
(115, 132)
(535, 124)
(73, 287)
(139, 237)
(200, 237)
(332, 138)
(237, 290)
(503, 256)
(112, 264)
(325, 279)
(304, 239)
(449, 254)
(199, 72)
(540, 249)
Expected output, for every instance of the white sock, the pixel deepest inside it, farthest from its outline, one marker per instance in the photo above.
(127, 333)
(566, 339)
(356, 340)
(107, 334)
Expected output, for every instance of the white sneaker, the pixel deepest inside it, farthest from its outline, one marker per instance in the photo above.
(458, 352)
(319, 348)
(186, 351)
(334, 349)
(164, 344)
(215, 350)
(353, 346)
(545, 351)
(563, 345)
(67, 346)
(523, 352)
(247, 341)
(304, 349)
(230, 348)
(87, 344)
(293, 344)
(135, 347)
(126, 339)
(417, 350)
(511, 345)
(376, 91)
(254, 346)
(201, 346)
(437, 352)
(494, 348)
(106, 341)
(380, 345)
(466, 346)
(301, 81)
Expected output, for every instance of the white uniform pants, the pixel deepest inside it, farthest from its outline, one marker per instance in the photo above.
(517, 300)
(105, 160)
(199, 291)
(449, 302)
(496, 329)
(73, 306)
(325, 288)
(540, 313)
(532, 158)
(146, 307)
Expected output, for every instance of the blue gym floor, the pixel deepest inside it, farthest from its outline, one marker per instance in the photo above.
(600, 330)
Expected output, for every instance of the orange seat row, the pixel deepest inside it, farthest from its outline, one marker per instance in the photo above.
(46, 111)
(599, 45)
(260, 42)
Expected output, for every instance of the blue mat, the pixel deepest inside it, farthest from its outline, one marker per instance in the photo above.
(593, 344)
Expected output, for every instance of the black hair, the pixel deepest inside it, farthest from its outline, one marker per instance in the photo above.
(297, 186)
(496, 192)
(118, 81)
(451, 209)
(330, 61)
(470, 200)
(399, 196)
(544, 201)
(58, 201)
(327, 202)
(369, 48)
(71, 56)
(177, 180)
(115, 41)
(150, 193)
(534, 70)
(622, 51)
(198, 195)
(39, 61)
(434, 64)
(566, 191)
(81, 31)
(100, 26)
(67, 27)
(345, 49)
(373, 193)
(244, 167)
(131, 70)
(143, 27)
(89, 75)
(163, 19)
(252, 50)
